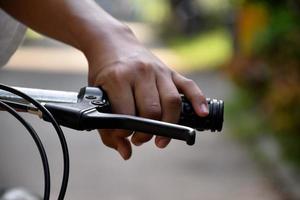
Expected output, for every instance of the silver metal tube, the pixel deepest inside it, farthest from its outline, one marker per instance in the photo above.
(41, 95)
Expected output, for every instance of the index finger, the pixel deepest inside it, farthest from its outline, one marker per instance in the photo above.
(193, 93)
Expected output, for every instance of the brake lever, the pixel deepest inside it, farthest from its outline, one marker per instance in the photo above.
(96, 120)
(93, 111)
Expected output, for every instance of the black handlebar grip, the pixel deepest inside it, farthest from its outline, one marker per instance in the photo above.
(213, 122)
(188, 117)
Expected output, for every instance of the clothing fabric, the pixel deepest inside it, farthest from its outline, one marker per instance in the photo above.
(11, 35)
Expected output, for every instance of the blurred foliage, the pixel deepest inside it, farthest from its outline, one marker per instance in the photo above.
(245, 119)
(202, 51)
(154, 11)
(181, 16)
(267, 65)
(248, 121)
(193, 16)
(194, 29)
(214, 7)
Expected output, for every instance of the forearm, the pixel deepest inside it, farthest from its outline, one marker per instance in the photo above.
(82, 24)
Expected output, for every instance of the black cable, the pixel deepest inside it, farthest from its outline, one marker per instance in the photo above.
(39, 145)
(60, 134)
(18, 106)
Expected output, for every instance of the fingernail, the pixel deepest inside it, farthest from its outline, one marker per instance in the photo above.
(204, 108)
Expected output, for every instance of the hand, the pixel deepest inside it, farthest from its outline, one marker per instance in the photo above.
(138, 83)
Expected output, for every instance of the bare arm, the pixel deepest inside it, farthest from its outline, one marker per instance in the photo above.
(77, 23)
(137, 83)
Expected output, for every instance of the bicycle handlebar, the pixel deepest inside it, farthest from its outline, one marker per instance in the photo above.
(90, 109)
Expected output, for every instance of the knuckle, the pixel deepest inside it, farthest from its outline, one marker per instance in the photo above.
(161, 68)
(153, 111)
(197, 92)
(200, 97)
(114, 75)
(174, 100)
(143, 67)
(190, 82)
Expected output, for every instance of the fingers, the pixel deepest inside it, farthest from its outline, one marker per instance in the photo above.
(121, 144)
(122, 101)
(147, 104)
(190, 89)
(171, 105)
(147, 92)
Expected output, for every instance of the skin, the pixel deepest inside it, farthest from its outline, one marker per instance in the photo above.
(136, 81)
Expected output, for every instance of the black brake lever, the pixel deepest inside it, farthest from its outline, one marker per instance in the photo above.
(96, 120)
(92, 111)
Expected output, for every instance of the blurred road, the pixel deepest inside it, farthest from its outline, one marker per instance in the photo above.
(215, 168)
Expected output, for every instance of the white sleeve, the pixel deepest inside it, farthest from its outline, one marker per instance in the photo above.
(11, 35)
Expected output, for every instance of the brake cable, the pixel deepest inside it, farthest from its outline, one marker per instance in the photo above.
(64, 146)
(38, 143)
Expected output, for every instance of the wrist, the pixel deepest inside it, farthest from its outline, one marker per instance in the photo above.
(106, 40)
(108, 43)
